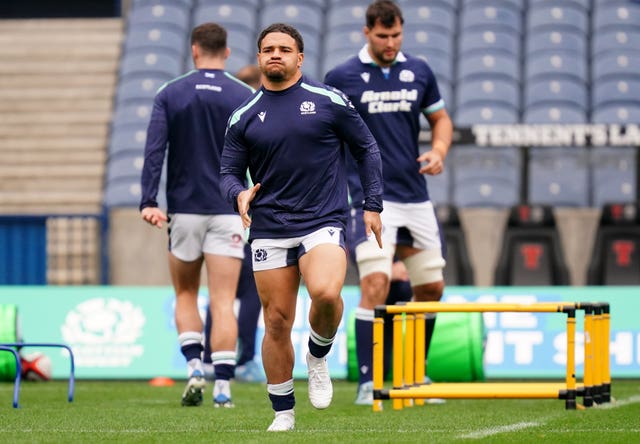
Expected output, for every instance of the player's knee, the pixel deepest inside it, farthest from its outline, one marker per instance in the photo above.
(374, 289)
(276, 324)
(425, 267)
(431, 292)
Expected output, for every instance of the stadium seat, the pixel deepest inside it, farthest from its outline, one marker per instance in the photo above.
(123, 165)
(482, 40)
(556, 64)
(544, 15)
(151, 36)
(183, 3)
(490, 17)
(145, 62)
(487, 91)
(558, 176)
(127, 138)
(458, 270)
(511, 4)
(139, 90)
(234, 15)
(345, 17)
(614, 175)
(127, 193)
(556, 91)
(417, 38)
(489, 65)
(307, 18)
(435, 17)
(173, 14)
(616, 252)
(485, 176)
(554, 112)
(613, 40)
(556, 40)
(580, 4)
(616, 90)
(531, 252)
(440, 185)
(131, 114)
(616, 64)
(622, 113)
(486, 113)
(618, 15)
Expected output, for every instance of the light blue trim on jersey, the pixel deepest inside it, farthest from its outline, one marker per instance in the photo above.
(335, 98)
(237, 80)
(239, 112)
(435, 107)
(169, 82)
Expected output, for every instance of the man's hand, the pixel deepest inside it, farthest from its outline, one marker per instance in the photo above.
(373, 224)
(244, 201)
(154, 216)
(434, 162)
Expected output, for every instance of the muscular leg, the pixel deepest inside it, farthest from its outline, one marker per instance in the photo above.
(186, 283)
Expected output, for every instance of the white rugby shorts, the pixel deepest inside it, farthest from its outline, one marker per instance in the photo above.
(191, 235)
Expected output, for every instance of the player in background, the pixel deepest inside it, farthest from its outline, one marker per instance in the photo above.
(188, 122)
(291, 135)
(391, 89)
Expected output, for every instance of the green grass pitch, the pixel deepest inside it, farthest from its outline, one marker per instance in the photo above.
(136, 412)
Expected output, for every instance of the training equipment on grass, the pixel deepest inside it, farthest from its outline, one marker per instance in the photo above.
(409, 356)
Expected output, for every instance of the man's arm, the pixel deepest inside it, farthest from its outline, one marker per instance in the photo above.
(441, 136)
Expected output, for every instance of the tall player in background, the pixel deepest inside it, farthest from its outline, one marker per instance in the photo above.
(391, 89)
(188, 120)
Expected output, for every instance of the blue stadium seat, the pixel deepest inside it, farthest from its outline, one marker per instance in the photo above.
(482, 40)
(485, 176)
(440, 63)
(125, 165)
(340, 44)
(477, 92)
(560, 90)
(150, 36)
(580, 4)
(140, 90)
(309, 19)
(131, 114)
(182, 3)
(559, 176)
(608, 40)
(490, 17)
(614, 175)
(228, 14)
(439, 186)
(174, 14)
(431, 16)
(556, 65)
(335, 57)
(345, 16)
(420, 37)
(556, 16)
(518, 5)
(451, 4)
(616, 113)
(127, 138)
(617, 91)
(619, 15)
(149, 62)
(127, 193)
(488, 66)
(616, 64)
(556, 40)
(554, 112)
(486, 113)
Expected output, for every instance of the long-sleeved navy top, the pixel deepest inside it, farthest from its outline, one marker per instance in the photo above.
(188, 120)
(293, 142)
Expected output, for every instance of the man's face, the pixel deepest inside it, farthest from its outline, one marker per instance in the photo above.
(384, 43)
(279, 58)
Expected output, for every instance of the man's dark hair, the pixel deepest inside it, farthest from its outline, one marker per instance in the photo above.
(285, 29)
(210, 37)
(384, 10)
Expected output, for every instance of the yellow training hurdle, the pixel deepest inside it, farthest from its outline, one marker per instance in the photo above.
(409, 356)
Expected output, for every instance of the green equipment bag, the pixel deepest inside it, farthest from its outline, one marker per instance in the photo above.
(8, 334)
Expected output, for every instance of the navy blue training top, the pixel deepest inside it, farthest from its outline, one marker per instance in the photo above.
(292, 143)
(189, 117)
(390, 101)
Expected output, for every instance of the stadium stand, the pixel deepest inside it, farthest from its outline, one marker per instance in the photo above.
(531, 252)
(614, 175)
(616, 253)
(458, 270)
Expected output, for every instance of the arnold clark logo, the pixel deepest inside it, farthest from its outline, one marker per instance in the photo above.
(103, 332)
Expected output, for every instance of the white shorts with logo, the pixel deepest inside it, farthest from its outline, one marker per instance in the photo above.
(269, 254)
(191, 235)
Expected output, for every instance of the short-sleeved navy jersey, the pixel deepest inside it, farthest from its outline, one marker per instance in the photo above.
(390, 101)
(189, 117)
(292, 143)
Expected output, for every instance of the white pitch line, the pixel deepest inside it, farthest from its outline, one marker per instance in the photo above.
(621, 403)
(483, 433)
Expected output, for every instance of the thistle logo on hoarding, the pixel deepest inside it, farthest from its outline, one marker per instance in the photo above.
(103, 332)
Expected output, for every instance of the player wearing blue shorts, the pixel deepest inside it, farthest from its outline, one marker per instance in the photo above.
(188, 120)
(391, 89)
(291, 135)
